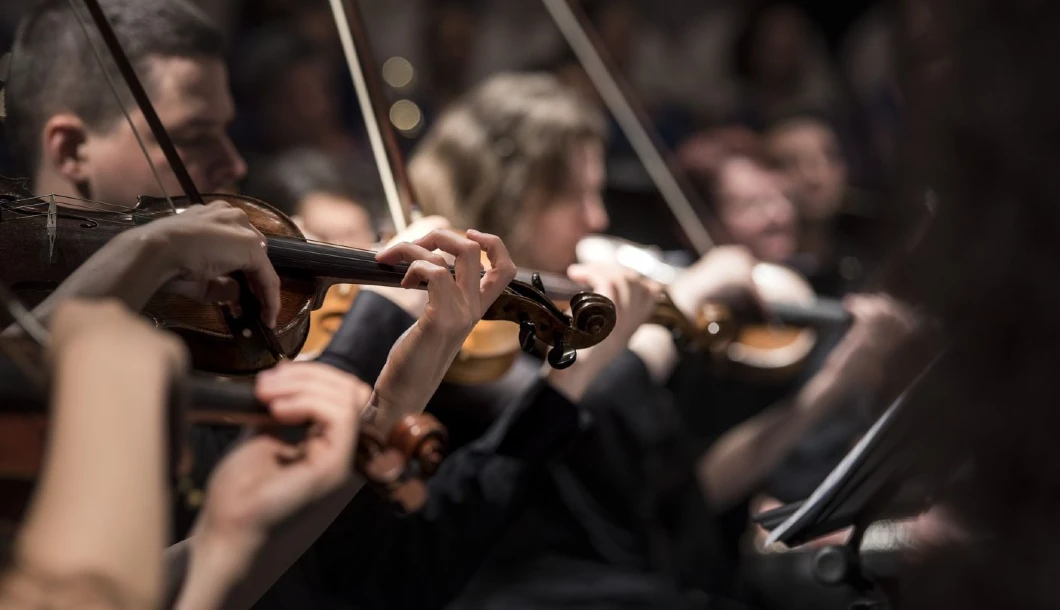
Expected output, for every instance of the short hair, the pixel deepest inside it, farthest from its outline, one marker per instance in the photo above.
(53, 67)
(284, 180)
(505, 141)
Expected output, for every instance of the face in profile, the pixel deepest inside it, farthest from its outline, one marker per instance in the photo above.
(808, 155)
(755, 211)
(193, 102)
(569, 216)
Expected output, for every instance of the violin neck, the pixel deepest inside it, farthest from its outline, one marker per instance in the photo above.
(333, 264)
(824, 313)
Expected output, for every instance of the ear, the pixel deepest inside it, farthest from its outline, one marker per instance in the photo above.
(63, 149)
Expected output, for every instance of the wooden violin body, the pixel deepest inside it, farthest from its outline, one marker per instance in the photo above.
(325, 321)
(44, 247)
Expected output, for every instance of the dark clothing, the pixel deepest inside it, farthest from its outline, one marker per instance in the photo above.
(603, 531)
(372, 557)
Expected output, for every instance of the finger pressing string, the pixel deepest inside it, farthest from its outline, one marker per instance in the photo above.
(468, 265)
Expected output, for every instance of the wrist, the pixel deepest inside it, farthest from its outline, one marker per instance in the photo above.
(216, 565)
(154, 252)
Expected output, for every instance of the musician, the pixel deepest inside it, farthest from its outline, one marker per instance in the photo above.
(94, 532)
(523, 155)
(840, 227)
(482, 487)
(68, 133)
(256, 489)
(330, 202)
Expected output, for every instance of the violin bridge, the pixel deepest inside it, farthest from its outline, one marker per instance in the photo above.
(51, 227)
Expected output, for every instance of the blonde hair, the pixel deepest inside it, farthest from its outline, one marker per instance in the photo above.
(501, 152)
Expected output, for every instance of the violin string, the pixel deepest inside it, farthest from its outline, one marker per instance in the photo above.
(355, 259)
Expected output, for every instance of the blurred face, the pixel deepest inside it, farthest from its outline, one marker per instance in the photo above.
(808, 156)
(336, 220)
(569, 216)
(755, 211)
(193, 102)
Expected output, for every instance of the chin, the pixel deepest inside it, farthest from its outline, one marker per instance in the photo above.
(778, 252)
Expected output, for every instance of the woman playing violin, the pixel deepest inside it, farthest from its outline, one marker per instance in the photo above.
(522, 155)
(469, 502)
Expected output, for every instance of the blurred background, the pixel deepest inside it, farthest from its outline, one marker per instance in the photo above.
(704, 69)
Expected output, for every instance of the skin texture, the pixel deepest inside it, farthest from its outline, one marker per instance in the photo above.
(570, 216)
(808, 155)
(106, 164)
(755, 210)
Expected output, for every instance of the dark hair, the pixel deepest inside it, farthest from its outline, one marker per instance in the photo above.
(284, 180)
(53, 67)
(265, 56)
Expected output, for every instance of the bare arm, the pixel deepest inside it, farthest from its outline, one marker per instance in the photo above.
(189, 254)
(236, 555)
(130, 268)
(737, 464)
(99, 515)
(741, 460)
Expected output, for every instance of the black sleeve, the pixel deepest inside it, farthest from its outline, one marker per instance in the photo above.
(374, 558)
(624, 392)
(369, 329)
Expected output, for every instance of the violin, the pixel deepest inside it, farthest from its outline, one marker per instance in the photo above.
(306, 270)
(738, 340)
(218, 340)
(763, 346)
(395, 462)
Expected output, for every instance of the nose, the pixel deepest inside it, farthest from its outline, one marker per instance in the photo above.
(231, 168)
(596, 219)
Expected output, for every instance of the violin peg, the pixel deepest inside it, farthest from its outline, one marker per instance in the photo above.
(535, 281)
(560, 358)
(527, 336)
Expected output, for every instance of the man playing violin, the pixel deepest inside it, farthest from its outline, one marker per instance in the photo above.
(67, 131)
(77, 147)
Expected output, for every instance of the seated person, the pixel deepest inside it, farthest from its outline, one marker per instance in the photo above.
(522, 155)
(330, 203)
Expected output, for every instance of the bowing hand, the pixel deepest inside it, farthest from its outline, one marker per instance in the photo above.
(266, 480)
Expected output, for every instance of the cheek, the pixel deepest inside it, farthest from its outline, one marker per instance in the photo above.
(743, 227)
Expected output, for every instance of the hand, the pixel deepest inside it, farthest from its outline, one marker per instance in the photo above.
(205, 243)
(419, 360)
(412, 301)
(264, 480)
(634, 298)
(881, 325)
(724, 273)
(91, 326)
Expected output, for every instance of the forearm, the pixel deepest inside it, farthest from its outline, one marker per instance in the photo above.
(234, 574)
(742, 459)
(100, 507)
(132, 267)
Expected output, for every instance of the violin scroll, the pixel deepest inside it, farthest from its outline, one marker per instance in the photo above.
(399, 465)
